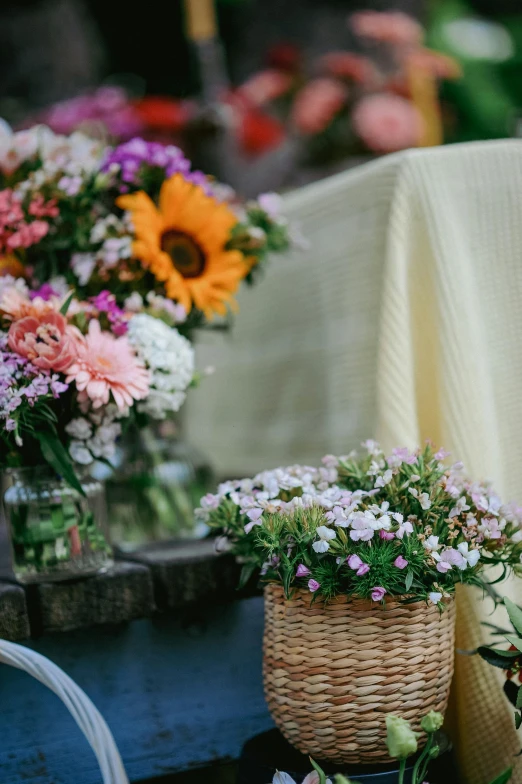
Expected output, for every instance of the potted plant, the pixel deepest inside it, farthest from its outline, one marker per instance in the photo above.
(360, 559)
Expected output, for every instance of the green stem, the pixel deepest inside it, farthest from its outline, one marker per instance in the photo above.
(425, 752)
(402, 770)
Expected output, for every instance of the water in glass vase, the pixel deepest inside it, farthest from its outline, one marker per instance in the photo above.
(55, 532)
(157, 482)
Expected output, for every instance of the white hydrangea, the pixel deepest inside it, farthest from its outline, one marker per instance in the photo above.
(170, 358)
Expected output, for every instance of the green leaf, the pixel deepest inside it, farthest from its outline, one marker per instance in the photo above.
(519, 698)
(65, 306)
(409, 579)
(504, 777)
(322, 777)
(515, 614)
(516, 641)
(247, 571)
(518, 720)
(496, 657)
(54, 452)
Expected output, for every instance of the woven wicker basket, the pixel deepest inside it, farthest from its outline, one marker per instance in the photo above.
(333, 671)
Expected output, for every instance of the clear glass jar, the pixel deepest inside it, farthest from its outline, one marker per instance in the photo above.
(55, 533)
(157, 482)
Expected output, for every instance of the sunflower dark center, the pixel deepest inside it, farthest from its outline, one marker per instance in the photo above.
(186, 254)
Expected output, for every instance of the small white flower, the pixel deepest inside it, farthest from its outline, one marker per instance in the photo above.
(431, 543)
(435, 597)
(83, 264)
(517, 536)
(325, 535)
(414, 478)
(79, 453)
(60, 548)
(79, 428)
(470, 556)
(385, 479)
(424, 501)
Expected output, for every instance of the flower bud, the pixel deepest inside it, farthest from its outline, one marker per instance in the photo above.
(432, 721)
(400, 738)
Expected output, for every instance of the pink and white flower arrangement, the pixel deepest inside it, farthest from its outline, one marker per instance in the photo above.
(373, 526)
(71, 371)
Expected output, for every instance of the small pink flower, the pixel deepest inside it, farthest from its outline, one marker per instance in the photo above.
(378, 593)
(386, 535)
(313, 585)
(265, 86)
(39, 208)
(316, 105)
(358, 565)
(302, 571)
(400, 562)
(387, 123)
(254, 515)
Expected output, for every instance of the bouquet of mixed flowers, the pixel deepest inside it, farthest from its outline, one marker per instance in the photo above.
(134, 220)
(370, 526)
(111, 258)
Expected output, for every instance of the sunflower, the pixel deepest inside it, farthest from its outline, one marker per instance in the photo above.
(183, 242)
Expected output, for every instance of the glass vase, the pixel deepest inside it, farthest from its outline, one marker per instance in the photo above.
(157, 482)
(55, 533)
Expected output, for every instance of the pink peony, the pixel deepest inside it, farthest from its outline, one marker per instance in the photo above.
(316, 105)
(105, 365)
(302, 571)
(392, 27)
(265, 86)
(400, 562)
(47, 340)
(313, 585)
(387, 123)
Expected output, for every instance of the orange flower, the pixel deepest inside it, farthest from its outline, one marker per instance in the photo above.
(183, 243)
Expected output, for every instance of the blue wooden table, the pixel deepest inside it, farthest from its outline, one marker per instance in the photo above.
(177, 691)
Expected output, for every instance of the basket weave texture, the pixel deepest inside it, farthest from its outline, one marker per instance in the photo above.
(332, 672)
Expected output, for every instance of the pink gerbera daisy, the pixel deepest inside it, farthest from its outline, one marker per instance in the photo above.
(106, 365)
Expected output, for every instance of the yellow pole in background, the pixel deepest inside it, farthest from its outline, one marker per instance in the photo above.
(425, 96)
(200, 16)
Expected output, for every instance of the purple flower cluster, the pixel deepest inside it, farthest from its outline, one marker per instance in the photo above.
(129, 158)
(45, 292)
(22, 382)
(105, 302)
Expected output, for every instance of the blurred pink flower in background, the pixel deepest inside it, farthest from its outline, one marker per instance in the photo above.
(317, 104)
(347, 65)
(387, 123)
(266, 86)
(393, 27)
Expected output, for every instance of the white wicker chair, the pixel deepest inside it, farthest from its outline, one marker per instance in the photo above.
(88, 718)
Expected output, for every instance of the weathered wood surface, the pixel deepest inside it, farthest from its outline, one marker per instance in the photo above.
(166, 577)
(177, 691)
